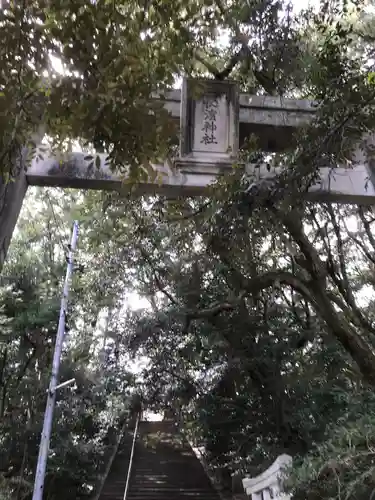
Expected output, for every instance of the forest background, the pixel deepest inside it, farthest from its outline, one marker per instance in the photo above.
(257, 318)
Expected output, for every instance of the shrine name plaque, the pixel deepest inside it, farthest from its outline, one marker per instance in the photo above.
(209, 125)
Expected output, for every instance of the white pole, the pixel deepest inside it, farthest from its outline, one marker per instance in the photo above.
(48, 415)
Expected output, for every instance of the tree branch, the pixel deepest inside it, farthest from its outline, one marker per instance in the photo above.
(366, 225)
(252, 286)
(294, 226)
(352, 340)
(214, 309)
(361, 245)
(162, 289)
(157, 280)
(190, 215)
(233, 61)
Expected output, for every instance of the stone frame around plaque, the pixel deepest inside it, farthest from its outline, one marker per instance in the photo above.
(203, 100)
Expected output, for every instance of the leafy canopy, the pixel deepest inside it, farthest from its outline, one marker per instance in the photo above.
(259, 333)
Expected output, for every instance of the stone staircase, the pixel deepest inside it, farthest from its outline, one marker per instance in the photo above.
(115, 482)
(164, 468)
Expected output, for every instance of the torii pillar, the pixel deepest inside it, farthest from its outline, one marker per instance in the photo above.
(11, 198)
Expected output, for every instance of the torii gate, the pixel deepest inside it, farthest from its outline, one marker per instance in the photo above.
(268, 484)
(212, 126)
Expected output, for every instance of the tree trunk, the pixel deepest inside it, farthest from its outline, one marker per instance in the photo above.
(353, 343)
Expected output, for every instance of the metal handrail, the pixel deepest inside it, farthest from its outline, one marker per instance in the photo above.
(131, 456)
(110, 462)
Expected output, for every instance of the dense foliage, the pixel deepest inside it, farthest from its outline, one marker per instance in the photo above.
(90, 413)
(259, 333)
(251, 365)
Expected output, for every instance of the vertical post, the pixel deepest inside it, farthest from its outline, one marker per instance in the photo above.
(12, 195)
(13, 190)
(48, 416)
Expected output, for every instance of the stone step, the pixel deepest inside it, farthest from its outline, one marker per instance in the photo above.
(164, 468)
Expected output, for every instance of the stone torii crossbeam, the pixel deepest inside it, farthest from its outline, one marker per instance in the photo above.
(213, 123)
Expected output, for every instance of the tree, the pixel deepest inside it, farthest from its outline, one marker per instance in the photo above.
(89, 415)
(235, 362)
(113, 57)
(255, 301)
